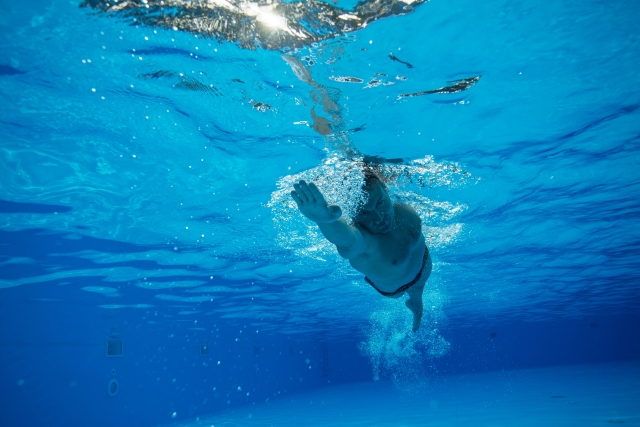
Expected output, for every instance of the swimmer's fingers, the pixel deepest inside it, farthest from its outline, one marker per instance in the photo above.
(301, 195)
(296, 198)
(316, 193)
(306, 191)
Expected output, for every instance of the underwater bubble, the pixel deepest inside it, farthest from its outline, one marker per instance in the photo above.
(340, 179)
(397, 352)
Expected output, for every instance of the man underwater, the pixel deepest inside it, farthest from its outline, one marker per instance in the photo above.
(385, 241)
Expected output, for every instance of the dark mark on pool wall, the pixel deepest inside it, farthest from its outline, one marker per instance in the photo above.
(257, 24)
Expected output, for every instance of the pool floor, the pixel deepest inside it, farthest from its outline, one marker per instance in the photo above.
(577, 395)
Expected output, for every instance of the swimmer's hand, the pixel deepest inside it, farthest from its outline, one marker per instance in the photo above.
(312, 204)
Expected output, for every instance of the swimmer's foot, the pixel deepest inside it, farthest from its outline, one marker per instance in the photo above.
(417, 318)
(416, 309)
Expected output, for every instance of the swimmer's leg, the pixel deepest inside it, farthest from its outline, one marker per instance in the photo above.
(414, 303)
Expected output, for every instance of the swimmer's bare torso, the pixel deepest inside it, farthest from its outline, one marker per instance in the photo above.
(385, 242)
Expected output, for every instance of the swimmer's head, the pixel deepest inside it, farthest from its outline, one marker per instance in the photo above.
(377, 214)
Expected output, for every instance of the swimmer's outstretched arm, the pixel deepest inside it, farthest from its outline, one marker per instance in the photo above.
(347, 238)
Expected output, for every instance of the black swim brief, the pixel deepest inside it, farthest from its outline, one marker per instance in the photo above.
(408, 285)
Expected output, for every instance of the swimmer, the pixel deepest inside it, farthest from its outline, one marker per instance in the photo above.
(385, 241)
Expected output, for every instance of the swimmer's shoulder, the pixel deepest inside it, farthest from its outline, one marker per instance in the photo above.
(409, 221)
(363, 250)
(407, 213)
(367, 236)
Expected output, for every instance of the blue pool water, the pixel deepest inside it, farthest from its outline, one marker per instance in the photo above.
(154, 270)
